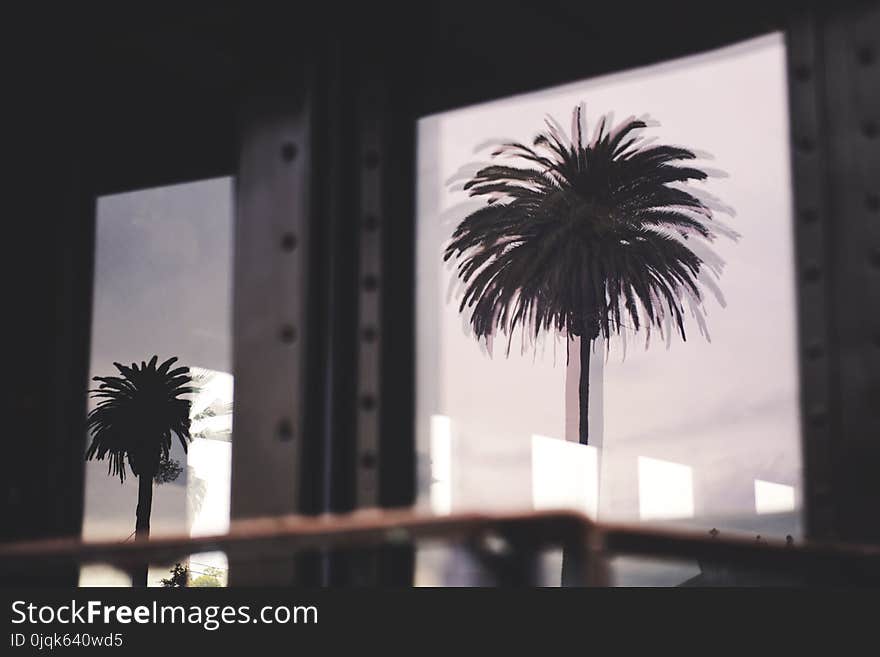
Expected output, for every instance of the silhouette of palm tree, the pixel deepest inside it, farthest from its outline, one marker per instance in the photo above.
(585, 237)
(135, 419)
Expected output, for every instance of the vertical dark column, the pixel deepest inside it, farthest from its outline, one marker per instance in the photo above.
(397, 477)
(809, 174)
(47, 277)
(336, 125)
(364, 203)
(852, 106)
(373, 440)
(834, 83)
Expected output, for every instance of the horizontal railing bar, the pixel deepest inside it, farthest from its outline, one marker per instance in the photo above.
(258, 537)
(293, 532)
(734, 550)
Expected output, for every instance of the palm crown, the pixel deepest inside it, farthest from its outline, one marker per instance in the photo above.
(137, 415)
(584, 238)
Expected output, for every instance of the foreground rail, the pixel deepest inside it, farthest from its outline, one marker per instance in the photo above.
(519, 536)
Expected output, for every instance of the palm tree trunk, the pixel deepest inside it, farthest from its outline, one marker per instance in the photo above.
(584, 392)
(571, 575)
(142, 524)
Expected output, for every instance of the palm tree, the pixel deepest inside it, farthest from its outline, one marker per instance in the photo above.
(135, 419)
(582, 240)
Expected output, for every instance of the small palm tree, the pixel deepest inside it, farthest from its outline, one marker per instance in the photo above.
(135, 419)
(584, 239)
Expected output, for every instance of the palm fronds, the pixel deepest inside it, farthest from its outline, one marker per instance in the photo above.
(137, 415)
(581, 237)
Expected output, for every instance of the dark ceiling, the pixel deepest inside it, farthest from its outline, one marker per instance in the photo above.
(150, 85)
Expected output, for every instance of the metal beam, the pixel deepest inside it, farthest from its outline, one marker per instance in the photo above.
(371, 160)
(851, 97)
(270, 327)
(834, 81)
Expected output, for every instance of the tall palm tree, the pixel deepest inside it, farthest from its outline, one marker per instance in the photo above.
(583, 239)
(135, 419)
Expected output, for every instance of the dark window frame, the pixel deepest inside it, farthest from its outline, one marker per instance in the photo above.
(112, 137)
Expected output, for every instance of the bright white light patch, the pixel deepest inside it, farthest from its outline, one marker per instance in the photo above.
(209, 460)
(441, 464)
(666, 490)
(565, 475)
(208, 484)
(773, 498)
